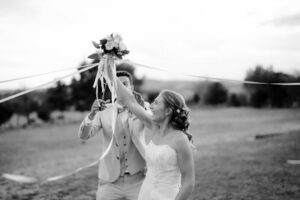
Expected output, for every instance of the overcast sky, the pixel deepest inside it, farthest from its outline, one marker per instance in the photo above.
(210, 38)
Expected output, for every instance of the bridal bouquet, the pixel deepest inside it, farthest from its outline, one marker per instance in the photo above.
(111, 45)
(110, 49)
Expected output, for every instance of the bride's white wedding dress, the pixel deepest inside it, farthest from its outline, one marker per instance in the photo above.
(163, 177)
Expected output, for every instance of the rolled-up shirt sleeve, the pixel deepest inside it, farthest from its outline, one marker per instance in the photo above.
(89, 128)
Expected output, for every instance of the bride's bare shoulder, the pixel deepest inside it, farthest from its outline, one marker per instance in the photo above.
(180, 140)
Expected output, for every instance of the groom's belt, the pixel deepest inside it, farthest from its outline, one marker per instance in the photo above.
(130, 178)
(136, 176)
(128, 174)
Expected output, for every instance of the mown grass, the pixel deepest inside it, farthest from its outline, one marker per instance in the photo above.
(230, 163)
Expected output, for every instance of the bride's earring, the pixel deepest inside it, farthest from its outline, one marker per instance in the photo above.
(168, 112)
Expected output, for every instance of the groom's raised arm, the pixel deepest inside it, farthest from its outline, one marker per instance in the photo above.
(92, 123)
(89, 127)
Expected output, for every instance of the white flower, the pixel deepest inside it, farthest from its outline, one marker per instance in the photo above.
(117, 38)
(109, 45)
(122, 46)
(109, 38)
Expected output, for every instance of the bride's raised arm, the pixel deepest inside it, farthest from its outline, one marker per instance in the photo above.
(132, 105)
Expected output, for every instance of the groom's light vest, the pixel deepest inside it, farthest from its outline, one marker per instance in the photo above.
(109, 166)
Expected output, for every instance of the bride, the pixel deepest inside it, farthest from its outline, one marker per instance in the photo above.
(169, 158)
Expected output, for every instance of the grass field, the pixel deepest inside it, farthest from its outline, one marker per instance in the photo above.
(230, 163)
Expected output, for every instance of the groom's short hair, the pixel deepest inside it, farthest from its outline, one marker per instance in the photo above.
(127, 74)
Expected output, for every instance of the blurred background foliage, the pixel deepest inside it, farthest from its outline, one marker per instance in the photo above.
(79, 94)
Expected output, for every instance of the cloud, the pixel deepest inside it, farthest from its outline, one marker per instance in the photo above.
(288, 20)
(18, 10)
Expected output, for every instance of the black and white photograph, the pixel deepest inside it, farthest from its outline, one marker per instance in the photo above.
(149, 100)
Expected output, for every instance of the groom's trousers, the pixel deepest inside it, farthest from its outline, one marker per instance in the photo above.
(126, 187)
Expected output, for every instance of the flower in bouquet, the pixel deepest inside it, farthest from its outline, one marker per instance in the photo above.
(112, 45)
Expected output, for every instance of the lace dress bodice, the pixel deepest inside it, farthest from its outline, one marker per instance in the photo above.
(162, 163)
(163, 176)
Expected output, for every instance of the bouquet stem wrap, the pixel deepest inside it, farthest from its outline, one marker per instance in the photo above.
(107, 72)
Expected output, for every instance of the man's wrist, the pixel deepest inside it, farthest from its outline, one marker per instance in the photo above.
(91, 115)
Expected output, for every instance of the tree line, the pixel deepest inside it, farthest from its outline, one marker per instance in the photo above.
(79, 94)
(258, 95)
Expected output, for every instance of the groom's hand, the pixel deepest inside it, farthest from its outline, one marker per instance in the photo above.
(98, 105)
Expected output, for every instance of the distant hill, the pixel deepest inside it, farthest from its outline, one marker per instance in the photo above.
(185, 86)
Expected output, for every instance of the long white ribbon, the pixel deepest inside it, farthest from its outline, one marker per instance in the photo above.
(55, 178)
(107, 71)
(159, 69)
(41, 74)
(30, 180)
(45, 84)
(209, 78)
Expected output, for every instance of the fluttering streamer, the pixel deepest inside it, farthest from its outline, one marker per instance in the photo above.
(107, 70)
(37, 75)
(45, 84)
(157, 69)
(208, 77)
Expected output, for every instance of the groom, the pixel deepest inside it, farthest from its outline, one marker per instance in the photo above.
(121, 172)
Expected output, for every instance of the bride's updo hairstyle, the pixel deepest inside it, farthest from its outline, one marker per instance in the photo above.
(179, 119)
